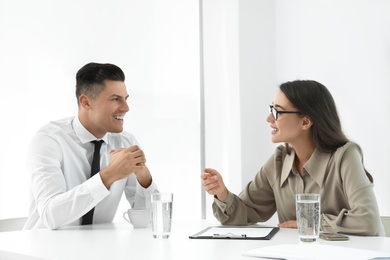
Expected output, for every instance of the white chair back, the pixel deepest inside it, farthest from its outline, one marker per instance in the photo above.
(386, 224)
(12, 224)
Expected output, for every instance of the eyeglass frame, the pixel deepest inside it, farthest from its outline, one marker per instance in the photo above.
(277, 112)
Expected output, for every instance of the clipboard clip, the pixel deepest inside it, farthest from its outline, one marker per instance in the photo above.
(229, 235)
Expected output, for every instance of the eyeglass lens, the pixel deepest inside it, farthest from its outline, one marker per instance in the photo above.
(274, 112)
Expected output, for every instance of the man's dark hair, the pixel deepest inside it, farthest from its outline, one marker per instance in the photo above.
(90, 78)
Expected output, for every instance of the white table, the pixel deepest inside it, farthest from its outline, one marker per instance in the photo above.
(121, 241)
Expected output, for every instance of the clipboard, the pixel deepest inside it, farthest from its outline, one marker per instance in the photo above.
(236, 232)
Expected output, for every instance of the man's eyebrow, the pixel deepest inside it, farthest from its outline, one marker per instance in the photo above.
(118, 96)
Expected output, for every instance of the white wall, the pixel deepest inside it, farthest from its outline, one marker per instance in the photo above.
(250, 47)
(257, 82)
(221, 81)
(346, 46)
(42, 45)
(343, 44)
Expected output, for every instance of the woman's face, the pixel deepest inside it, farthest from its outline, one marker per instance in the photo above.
(288, 127)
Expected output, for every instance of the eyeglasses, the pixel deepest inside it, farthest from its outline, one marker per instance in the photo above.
(275, 113)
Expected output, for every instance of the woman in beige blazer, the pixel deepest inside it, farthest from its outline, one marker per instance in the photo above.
(316, 158)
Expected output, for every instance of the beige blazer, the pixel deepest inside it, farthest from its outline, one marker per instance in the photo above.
(348, 202)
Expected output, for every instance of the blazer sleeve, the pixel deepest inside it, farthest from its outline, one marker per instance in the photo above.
(362, 216)
(256, 203)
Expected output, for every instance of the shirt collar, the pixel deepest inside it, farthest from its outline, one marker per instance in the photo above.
(83, 134)
(316, 166)
(287, 166)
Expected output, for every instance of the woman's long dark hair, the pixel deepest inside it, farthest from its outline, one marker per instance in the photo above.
(313, 99)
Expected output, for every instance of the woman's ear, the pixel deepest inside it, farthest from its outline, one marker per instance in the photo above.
(306, 123)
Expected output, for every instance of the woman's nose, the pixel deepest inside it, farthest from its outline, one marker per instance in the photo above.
(270, 118)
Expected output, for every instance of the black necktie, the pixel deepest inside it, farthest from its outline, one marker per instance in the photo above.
(95, 168)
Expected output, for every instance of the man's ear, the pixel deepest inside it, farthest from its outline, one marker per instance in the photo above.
(85, 101)
(306, 123)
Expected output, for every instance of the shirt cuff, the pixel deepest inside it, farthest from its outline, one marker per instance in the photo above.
(224, 205)
(146, 192)
(324, 225)
(96, 187)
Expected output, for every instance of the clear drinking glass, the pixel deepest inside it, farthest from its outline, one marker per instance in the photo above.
(161, 214)
(308, 216)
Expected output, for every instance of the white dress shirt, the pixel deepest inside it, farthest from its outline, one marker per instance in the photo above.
(59, 161)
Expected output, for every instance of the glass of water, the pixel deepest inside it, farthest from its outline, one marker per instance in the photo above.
(308, 216)
(161, 214)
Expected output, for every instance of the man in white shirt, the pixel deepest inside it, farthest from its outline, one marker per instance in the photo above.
(60, 157)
